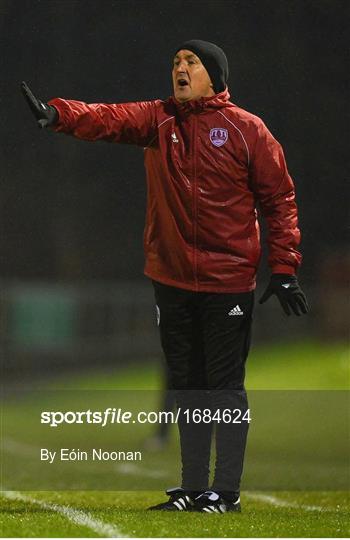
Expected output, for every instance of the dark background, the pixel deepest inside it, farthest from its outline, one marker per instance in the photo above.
(73, 210)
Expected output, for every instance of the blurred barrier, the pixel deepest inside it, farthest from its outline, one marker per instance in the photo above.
(47, 325)
(57, 325)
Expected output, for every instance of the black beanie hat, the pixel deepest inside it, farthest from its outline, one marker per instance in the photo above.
(213, 58)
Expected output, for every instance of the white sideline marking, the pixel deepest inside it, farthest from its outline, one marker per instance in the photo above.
(22, 449)
(75, 516)
(19, 448)
(135, 470)
(27, 450)
(286, 504)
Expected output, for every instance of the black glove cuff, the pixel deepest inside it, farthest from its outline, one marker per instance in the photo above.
(53, 116)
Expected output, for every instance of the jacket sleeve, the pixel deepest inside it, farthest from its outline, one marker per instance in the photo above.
(274, 190)
(128, 123)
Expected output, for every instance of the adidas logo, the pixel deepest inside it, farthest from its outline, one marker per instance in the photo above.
(236, 311)
(174, 138)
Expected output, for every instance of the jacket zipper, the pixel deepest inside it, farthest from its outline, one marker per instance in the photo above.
(195, 202)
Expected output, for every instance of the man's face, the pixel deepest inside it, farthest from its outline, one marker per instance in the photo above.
(190, 78)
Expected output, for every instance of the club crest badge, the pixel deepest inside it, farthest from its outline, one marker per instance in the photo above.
(218, 136)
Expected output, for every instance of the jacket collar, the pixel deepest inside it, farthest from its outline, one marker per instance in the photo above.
(199, 105)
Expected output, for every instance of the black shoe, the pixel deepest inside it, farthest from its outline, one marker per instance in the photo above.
(211, 502)
(179, 501)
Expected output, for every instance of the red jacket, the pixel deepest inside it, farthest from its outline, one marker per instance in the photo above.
(208, 164)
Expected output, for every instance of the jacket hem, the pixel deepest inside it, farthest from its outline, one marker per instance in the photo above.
(283, 269)
(201, 287)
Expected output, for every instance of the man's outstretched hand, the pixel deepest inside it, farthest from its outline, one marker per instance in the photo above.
(288, 292)
(46, 115)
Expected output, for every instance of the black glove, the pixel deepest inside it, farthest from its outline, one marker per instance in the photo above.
(288, 292)
(46, 115)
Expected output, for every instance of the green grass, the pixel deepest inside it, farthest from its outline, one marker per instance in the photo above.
(126, 511)
(278, 456)
(296, 366)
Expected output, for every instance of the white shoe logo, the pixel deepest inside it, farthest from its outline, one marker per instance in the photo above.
(286, 285)
(174, 138)
(236, 311)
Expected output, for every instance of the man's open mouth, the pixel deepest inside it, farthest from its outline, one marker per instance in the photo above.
(182, 82)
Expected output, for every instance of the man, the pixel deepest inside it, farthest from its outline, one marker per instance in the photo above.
(208, 164)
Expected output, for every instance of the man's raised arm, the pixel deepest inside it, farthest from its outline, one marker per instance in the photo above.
(128, 123)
